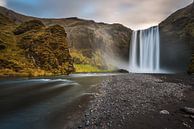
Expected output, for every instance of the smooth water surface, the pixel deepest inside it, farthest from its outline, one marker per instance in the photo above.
(44, 103)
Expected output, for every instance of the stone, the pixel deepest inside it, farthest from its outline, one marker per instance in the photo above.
(80, 127)
(188, 110)
(192, 116)
(164, 112)
(87, 123)
(87, 114)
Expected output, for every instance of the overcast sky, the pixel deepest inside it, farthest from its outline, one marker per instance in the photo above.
(134, 14)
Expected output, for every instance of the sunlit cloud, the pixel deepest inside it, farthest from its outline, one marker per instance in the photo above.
(135, 14)
(3, 3)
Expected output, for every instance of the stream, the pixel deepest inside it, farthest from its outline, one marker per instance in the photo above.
(46, 102)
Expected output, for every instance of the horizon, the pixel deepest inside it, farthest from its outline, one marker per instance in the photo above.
(93, 11)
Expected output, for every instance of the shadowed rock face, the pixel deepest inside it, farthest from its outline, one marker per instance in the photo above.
(177, 39)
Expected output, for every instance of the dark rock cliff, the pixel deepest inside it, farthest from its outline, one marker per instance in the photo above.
(177, 39)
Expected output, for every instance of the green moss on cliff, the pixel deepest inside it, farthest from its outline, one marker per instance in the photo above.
(29, 25)
(31, 49)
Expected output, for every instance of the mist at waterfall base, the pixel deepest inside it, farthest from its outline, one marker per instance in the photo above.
(144, 51)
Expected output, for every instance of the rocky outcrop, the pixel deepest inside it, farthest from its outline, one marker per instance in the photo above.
(32, 49)
(177, 39)
(46, 46)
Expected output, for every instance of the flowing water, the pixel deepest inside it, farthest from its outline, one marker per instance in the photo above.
(44, 103)
(145, 51)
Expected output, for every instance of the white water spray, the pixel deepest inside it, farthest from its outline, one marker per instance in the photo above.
(145, 51)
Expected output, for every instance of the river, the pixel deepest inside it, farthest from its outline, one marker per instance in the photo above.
(46, 102)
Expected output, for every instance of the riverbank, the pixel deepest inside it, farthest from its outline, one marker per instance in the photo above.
(140, 101)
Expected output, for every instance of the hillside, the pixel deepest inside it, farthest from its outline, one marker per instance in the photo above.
(32, 49)
(99, 45)
(177, 39)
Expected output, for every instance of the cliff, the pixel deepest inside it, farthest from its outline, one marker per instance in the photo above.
(32, 49)
(177, 40)
(93, 44)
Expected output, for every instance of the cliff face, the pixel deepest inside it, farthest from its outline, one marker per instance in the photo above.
(96, 41)
(177, 39)
(91, 43)
(33, 49)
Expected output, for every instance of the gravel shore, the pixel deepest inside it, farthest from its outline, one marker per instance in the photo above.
(140, 101)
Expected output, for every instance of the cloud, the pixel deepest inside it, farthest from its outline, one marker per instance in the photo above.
(132, 13)
(3, 3)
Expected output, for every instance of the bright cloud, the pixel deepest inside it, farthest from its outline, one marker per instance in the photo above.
(3, 3)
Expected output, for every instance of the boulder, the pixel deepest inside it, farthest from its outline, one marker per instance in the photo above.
(46, 47)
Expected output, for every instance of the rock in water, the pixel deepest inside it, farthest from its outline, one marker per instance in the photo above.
(164, 112)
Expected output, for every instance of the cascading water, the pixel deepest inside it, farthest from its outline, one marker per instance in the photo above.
(145, 51)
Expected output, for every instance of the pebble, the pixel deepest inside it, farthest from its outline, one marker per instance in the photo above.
(125, 97)
(164, 112)
(87, 123)
(188, 110)
(87, 114)
(80, 127)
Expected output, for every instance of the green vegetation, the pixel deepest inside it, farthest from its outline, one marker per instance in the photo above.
(86, 68)
(83, 37)
(29, 25)
(31, 49)
(85, 64)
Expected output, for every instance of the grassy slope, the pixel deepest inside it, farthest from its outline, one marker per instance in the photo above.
(17, 64)
(84, 64)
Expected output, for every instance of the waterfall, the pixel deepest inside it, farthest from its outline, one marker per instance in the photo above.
(145, 51)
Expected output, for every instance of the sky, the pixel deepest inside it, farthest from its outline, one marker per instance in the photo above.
(135, 14)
